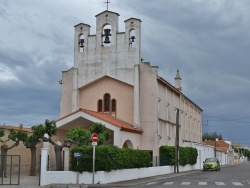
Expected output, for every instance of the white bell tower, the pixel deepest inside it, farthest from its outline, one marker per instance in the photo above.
(109, 52)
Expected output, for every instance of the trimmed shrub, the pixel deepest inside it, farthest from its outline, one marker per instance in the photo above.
(167, 155)
(108, 158)
(187, 155)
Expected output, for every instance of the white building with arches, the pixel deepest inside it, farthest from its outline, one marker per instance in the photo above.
(109, 83)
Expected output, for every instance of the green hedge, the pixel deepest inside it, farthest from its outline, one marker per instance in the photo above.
(108, 158)
(187, 155)
(167, 155)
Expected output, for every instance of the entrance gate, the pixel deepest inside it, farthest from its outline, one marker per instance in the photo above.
(10, 169)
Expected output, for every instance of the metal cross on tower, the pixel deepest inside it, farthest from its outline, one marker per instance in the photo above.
(107, 4)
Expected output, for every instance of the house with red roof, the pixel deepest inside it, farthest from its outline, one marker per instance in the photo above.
(223, 150)
(20, 151)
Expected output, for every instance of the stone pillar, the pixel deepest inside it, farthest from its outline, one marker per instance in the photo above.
(44, 154)
(66, 159)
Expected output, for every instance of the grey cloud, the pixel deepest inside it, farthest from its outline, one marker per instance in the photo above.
(208, 41)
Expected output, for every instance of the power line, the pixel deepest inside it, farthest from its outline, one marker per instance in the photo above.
(229, 120)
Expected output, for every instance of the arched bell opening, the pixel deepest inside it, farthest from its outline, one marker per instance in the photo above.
(106, 35)
(128, 144)
(81, 43)
(132, 39)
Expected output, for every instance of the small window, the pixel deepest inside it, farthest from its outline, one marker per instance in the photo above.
(99, 108)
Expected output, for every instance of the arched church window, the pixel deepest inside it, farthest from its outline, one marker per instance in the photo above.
(99, 108)
(132, 41)
(113, 105)
(106, 36)
(81, 43)
(106, 102)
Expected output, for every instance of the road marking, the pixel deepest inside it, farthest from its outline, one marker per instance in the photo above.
(237, 183)
(185, 183)
(220, 183)
(202, 183)
(199, 183)
(152, 183)
(168, 183)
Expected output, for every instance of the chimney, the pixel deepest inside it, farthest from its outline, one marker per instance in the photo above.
(178, 81)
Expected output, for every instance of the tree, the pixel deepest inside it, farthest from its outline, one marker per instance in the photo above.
(31, 142)
(211, 136)
(242, 151)
(50, 129)
(79, 135)
(16, 137)
(103, 133)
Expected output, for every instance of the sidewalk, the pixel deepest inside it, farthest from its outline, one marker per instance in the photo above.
(33, 182)
(136, 183)
(25, 182)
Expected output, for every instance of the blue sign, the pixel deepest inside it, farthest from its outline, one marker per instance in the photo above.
(77, 154)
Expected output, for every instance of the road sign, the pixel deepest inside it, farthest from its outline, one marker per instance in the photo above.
(77, 154)
(94, 143)
(94, 137)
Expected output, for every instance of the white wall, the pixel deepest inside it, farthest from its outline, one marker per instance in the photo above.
(223, 158)
(204, 151)
(69, 177)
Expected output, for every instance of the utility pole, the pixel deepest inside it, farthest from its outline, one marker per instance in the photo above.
(176, 165)
(215, 149)
(238, 153)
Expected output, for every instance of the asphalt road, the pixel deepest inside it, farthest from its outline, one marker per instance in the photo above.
(229, 176)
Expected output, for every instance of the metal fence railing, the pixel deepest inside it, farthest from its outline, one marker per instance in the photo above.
(10, 169)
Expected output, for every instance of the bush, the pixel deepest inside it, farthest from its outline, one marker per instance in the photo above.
(108, 158)
(167, 155)
(187, 155)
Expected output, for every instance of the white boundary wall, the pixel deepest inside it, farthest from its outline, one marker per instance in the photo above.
(206, 151)
(69, 177)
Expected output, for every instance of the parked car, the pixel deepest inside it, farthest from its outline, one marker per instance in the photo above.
(211, 164)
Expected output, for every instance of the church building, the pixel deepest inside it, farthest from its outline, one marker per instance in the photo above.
(109, 83)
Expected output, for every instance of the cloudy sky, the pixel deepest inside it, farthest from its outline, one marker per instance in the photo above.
(207, 40)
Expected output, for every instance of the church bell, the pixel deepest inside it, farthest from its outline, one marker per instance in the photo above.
(106, 41)
(107, 34)
(132, 38)
(81, 43)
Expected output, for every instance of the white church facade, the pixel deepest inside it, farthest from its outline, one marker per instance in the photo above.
(109, 83)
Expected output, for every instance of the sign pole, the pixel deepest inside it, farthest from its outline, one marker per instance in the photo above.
(93, 177)
(77, 155)
(77, 179)
(94, 138)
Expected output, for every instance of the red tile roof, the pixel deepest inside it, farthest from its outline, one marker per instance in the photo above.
(16, 128)
(109, 119)
(220, 145)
